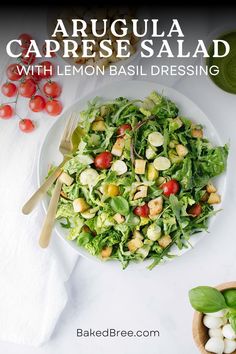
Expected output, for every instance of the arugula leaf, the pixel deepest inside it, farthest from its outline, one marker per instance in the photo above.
(213, 162)
(184, 175)
(207, 299)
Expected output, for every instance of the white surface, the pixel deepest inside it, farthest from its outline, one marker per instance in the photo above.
(101, 297)
(133, 90)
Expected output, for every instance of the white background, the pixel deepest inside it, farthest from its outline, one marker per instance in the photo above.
(101, 297)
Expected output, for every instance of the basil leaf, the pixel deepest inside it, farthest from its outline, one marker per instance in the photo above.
(232, 321)
(120, 205)
(230, 297)
(207, 299)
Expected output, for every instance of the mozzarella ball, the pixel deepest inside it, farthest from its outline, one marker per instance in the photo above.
(215, 332)
(212, 322)
(228, 332)
(215, 345)
(230, 346)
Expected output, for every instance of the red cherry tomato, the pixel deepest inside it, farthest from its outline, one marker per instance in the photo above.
(54, 107)
(9, 89)
(37, 103)
(25, 40)
(27, 60)
(46, 69)
(142, 211)
(6, 111)
(52, 89)
(27, 88)
(34, 77)
(26, 125)
(53, 54)
(103, 160)
(195, 210)
(13, 72)
(170, 187)
(122, 129)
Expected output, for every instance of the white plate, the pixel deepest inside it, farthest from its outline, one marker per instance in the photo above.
(131, 89)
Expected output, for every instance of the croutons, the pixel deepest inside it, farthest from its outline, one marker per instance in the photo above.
(211, 188)
(119, 218)
(66, 179)
(155, 206)
(165, 241)
(138, 235)
(197, 133)
(140, 166)
(134, 244)
(98, 126)
(106, 252)
(214, 198)
(118, 147)
(80, 205)
(141, 192)
(152, 173)
(181, 150)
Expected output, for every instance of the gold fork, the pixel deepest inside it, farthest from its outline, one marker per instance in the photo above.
(66, 146)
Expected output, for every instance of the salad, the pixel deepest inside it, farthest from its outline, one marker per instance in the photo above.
(140, 180)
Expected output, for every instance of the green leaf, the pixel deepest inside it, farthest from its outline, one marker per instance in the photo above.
(232, 321)
(230, 297)
(207, 299)
(184, 175)
(120, 205)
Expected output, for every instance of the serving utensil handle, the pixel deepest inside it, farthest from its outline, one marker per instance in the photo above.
(46, 232)
(38, 195)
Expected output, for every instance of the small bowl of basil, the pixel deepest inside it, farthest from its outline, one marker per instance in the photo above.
(214, 321)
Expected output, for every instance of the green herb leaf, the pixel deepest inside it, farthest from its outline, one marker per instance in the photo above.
(207, 299)
(120, 205)
(230, 297)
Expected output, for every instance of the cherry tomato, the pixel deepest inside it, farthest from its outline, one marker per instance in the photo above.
(142, 211)
(52, 89)
(25, 40)
(6, 111)
(195, 210)
(26, 125)
(27, 60)
(122, 129)
(34, 77)
(37, 103)
(103, 160)
(170, 187)
(54, 107)
(9, 89)
(13, 72)
(46, 69)
(53, 54)
(27, 88)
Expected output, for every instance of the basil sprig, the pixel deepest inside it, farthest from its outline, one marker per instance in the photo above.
(207, 299)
